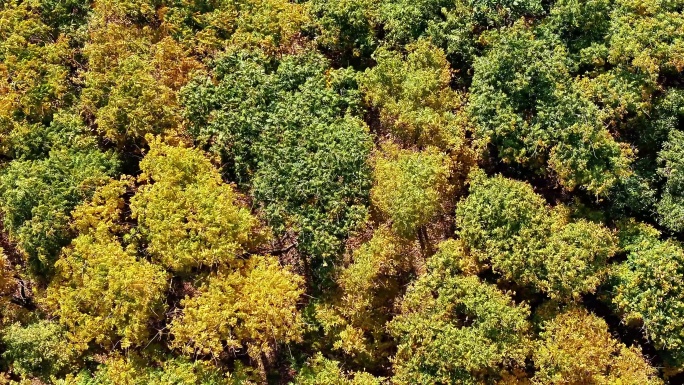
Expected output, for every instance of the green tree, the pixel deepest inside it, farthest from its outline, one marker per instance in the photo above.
(525, 103)
(453, 25)
(36, 197)
(37, 350)
(347, 27)
(321, 371)
(671, 205)
(288, 127)
(455, 329)
(648, 289)
(505, 223)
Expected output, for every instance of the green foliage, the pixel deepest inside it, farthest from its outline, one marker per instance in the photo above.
(580, 24)
(671, 205)
(65, 15)
(504, 222)
(185, 212)
(35, 141)
(36, 197)
(452, 25)
(348, 27)
(307, 169)
(649, 289)
(252, 308)
(410, 186)
(37, 350)
(322, 371)
(525, 103)
(455, 329)
(576, 348)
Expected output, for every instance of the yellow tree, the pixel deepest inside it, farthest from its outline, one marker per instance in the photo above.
(355, 317)
(250, 309)
(33, 74)
(576, 348)
(185, 212)
(410, 188)
(105, 294)
(414, 96)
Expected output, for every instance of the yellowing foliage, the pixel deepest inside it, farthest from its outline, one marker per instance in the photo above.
(253, 308)
(33, 74)
(189, 217)
(368, 287)
(576, 348)
(410, 187)
(103, 294)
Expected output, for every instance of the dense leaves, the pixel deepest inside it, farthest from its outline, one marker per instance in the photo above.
(648, 289)
(410, 187)
(252, 309)
(308, 170)
(188, 216)
(104, 294)
(37, 196)
(576, 348)
(506, 224)
(341, 192)
(446, 320)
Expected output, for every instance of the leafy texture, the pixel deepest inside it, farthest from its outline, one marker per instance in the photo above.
(506, 224)
(456, 330)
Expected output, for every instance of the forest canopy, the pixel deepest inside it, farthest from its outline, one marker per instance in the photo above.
(333, 192)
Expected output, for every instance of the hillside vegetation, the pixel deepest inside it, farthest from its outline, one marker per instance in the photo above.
(341, 192)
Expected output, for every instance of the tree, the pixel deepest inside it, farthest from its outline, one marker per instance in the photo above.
(102, 293)
(136, 370)
(290, 129)
(33, 77)
(355, 318)
(409, 187)
(37, 196)
(647, 37)
(504, 222)
(347, 27)
(37, 350)
(649, 289)
(576, 348)
(525, 103)
(319, 370)
(413, 95)
(187, 215)
(456, 329)
(132, 78)
(251, 309)
(671, 205)
(452, 25)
